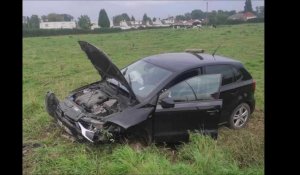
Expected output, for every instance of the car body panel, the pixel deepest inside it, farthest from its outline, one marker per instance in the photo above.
(130, 117)
(167, 124)
(173, 124)
(103, 65)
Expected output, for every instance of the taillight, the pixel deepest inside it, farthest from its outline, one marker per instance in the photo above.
(254, 85)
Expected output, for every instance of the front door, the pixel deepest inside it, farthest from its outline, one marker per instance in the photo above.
(196, 107)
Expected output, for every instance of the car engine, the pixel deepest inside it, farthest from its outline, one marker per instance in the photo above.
(96, 102)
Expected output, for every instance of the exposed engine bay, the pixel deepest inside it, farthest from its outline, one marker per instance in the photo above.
(96, 102)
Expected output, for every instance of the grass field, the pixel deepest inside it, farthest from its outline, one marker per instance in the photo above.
(58, 64)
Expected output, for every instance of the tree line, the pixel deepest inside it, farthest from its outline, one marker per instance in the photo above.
(84, 22)
(220, 16)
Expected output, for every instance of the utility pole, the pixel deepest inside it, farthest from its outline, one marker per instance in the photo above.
(206, 14)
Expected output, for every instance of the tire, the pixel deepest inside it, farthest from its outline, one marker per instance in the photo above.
(239, 117)
(141, 135)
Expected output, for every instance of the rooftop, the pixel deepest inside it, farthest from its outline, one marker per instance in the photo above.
(182, 61)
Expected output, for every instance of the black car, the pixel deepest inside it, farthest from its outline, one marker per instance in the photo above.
(160, 98)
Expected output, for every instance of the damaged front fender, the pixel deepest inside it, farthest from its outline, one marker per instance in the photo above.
(130, 117)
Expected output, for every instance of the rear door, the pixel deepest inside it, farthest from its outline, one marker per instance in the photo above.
(229, 91)
(197, 107)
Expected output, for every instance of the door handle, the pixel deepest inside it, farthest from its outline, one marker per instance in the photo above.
(212, 111)
(234, 92)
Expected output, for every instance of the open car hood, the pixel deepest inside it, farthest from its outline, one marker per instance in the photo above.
(104, 65)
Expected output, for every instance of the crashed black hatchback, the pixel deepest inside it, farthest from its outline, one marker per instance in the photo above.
(160, 98)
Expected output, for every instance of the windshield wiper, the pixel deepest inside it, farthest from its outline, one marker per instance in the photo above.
(125, 71)
(129, 79)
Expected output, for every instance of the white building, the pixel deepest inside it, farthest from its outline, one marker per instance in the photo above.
(169, 20)
(157, 22)
(124, 25)
(136, 23)
(58, 25)
(94, 25)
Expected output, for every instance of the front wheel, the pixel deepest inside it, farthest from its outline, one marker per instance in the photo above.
(239, 117)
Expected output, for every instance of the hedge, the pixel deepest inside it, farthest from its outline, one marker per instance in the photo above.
(253, 20)
(53, 32)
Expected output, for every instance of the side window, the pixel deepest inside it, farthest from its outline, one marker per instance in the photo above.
(187, 75)
(225, 70)
(182, 92)
(237, 74)
(206, 87)
(201, 87)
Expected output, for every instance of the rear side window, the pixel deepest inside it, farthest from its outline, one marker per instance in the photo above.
(225, 70)
(246, 74)
(237, 74)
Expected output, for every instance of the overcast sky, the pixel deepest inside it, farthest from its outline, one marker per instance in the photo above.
(158, 9)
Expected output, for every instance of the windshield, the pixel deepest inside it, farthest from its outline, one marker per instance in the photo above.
(144, 77)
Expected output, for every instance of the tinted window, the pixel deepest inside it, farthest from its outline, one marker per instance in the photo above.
(144, 77)
(246, 74)
(225, 70)
(206, 87)
(187, 75)
(237, 74)
(182, 92)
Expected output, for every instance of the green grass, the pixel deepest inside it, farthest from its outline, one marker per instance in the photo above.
(58, 64)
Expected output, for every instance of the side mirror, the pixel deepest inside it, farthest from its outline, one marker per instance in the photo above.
(167, 102)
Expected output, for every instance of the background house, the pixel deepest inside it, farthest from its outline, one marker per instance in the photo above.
(187, 23)
(242, 16)
(58, 25)
(169, 21)
(125, 25)
(94, 25)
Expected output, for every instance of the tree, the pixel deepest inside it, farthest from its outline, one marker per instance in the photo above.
(180, 18)
(53, 17)
(145, 18)
(117, 19)
(154, 19)
(197, 14)
(84, 22)
(232, 12)
(103, 20)
(248, 6)
(67, 17)
(25, 22)
(125, 17)
(188, 16)
(34, 22)
(260, 11)
(150, 21)
(212, 17)
(132, 18)
(44, 18)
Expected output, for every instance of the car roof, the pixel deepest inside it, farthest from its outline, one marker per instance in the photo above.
(181, 61)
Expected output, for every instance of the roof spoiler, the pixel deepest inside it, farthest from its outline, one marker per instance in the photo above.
(194, 50)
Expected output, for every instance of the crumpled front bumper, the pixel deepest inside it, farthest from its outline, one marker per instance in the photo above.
(67, 118)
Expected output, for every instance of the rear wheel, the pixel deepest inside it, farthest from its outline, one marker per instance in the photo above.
(239, 117)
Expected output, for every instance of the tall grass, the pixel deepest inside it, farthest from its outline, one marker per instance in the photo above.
(58, 64)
